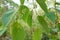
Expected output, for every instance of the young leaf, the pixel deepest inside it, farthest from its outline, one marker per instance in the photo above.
(43, 23)
(22, 1)
(6, 18)
(24, 11)
(51, 16)
(42, 5)
(27, 16)
(37, 35)
(18, 32)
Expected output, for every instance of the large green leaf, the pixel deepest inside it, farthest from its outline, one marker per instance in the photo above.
(22, 1)
(26, 14)
(37, 35)
(43, 23)
(42, 5)
(18, 32)
(6, 18)
(51, 16)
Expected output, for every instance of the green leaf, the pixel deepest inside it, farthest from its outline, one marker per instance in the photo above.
(29, 19)
(26, 14)
(51, 16)
(2, 30)
(24, 11)
(22, 1)
(18, 32)
(44, 0)
(57, 3)
(37, 35)
(42, 5)
(9, 1)
(53, 37)
(43, 23)
(6, 18)
(58, 25)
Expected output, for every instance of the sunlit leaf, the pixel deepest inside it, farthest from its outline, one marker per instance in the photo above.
(6, 18)
(43, 23)
(18, 32)
(42, 5)
(37, 35)
(26, 14)
(24, 11)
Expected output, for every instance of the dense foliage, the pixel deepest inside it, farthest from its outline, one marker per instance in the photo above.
(22, 22)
